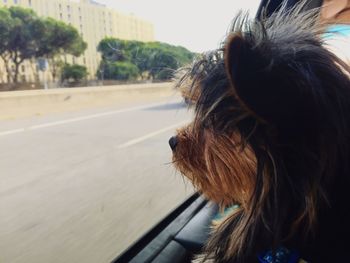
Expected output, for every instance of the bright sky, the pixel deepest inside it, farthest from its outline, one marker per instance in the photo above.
(195, 24)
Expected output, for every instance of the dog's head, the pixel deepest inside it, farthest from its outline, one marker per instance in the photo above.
(270, 128)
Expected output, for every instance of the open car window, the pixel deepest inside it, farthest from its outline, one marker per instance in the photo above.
(87, 109)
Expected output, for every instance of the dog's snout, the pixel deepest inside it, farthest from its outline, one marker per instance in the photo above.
(173, 142)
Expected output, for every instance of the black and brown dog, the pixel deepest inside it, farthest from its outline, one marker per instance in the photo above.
(271, 133)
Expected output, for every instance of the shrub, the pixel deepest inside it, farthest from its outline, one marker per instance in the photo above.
(74, 72)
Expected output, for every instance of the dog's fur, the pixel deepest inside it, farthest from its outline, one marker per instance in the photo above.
(271, 133)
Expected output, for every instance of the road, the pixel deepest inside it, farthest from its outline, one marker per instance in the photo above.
(81, 186)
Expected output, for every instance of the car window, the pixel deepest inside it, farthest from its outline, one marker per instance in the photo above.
(87, 109)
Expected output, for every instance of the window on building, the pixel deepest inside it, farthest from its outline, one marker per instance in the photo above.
(15, 2)
(60, 7)
(61, 16)
(68, 8)
(23, 68)
(30, 2)
(5, 1)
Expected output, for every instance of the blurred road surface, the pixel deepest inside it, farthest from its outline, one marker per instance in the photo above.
(82, 186)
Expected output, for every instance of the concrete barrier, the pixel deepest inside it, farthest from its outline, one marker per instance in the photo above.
(37, 102)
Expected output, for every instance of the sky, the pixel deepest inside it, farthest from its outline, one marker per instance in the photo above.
(195, 24)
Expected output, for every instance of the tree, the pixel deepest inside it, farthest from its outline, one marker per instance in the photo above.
(25, 36)
(17, 43)
(156, 60)
(6, 24)
(112, 49)
(23, 43)
(74, 72)
(163, 64)
(120, 70)
(116, 60)
(59, 39)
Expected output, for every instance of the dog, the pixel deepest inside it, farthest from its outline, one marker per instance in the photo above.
(271, 135)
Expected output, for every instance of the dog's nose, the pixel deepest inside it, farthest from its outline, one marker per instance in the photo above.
(173, 142)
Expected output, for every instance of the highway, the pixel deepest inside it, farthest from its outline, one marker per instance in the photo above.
(82, 186)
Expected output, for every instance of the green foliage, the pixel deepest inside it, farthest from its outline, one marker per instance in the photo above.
(74, 72)
(6, 24)
(20, 43)
(58, 38)
(112, 49)
(120, 70)
(154, 59)
(25, 36)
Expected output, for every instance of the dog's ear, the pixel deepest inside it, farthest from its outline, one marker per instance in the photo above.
(257, 81)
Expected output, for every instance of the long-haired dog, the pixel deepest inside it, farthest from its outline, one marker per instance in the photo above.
(271, 133)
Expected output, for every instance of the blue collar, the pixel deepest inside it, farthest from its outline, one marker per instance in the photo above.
(280, 255)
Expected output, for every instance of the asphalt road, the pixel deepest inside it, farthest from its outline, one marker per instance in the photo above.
(82, 186)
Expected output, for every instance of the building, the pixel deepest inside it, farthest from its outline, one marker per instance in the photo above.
(94, 22)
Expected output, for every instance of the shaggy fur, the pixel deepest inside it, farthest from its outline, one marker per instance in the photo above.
(271, 133)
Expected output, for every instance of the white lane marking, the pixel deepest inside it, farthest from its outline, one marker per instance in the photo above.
(150, 135)
(93, 116)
